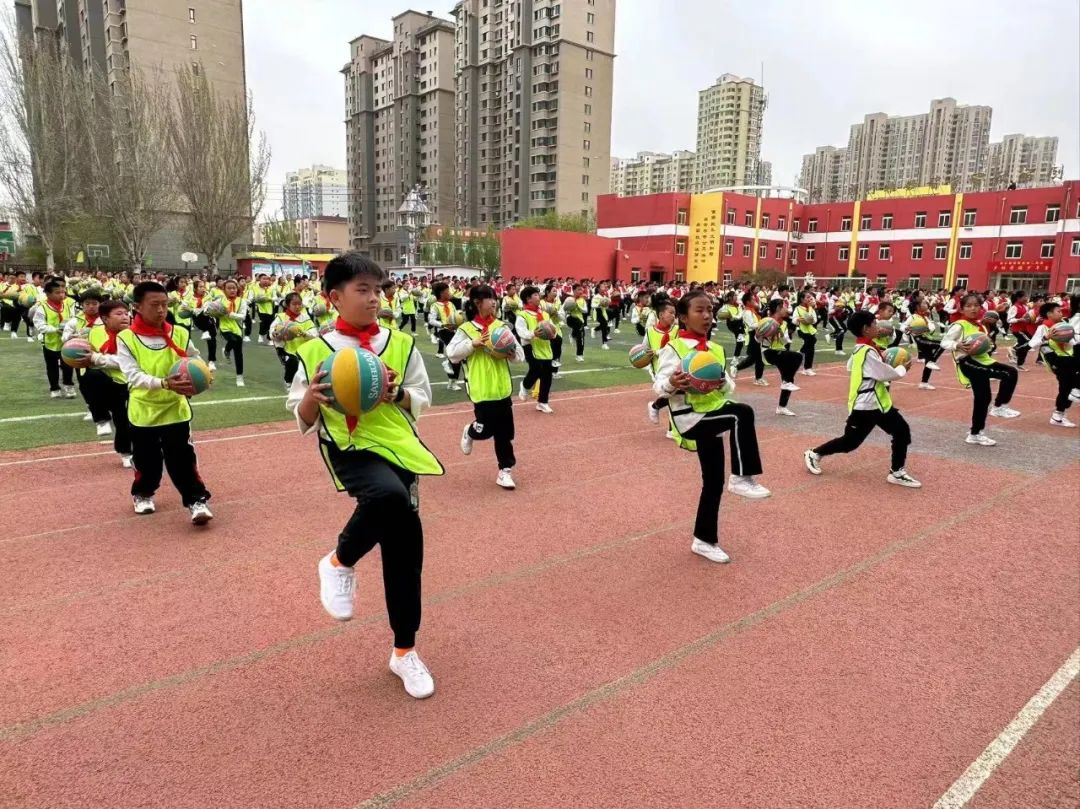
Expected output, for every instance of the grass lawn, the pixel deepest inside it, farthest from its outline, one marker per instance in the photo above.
(29, 418)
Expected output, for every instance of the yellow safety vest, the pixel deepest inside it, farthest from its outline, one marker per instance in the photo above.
(859, 385)
(304, 319)
(55, 341)
(99, 335)
(227, 323)
(541, 346)
(967, 329)
(487, 377)
(159, 407)
(698, 402)
(801, 312)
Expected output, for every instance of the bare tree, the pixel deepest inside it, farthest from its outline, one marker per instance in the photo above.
(219, 162)
(42, 133)
(132, 177)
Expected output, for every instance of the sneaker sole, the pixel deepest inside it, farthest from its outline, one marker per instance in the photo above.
(751, 496)
(711, 559)
(901, 483)
(335, 617)
(202, 519)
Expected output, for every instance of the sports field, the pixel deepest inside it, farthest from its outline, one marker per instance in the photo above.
(868, 645)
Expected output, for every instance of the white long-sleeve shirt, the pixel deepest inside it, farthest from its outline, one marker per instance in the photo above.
(1042, 337)
(136, 377)
(668, 363)
(953, 337)
(876, 369)
(415, 381)
(461, 348)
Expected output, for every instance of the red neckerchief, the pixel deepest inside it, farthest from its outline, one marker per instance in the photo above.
(667, 334)
(701, 340)
(198, 301)
(290, 315)
(536, 311)
(231, 303)
(863, 341)
(1049, 325)
(109, 346)
(976, 323)
(446, 309)
(58, 308)
(362, 334)
(165, 331)
(484, 322)
(90, 321)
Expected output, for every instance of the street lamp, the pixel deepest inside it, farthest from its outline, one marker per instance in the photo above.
(413, 215)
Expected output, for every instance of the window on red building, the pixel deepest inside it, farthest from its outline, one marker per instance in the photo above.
(962, 281)
(1018, 216)
(884, 252)
(746, 249)
(793, 254)
(727, 278)
(864, 223)
(916, 252)
(795, 225)
(1075, 247)
(762, 250)
(941, 251)
(920, 219)
(843, 253)
(748, 219)
(729, 247)
(680, 247)
(886, 221)
(1047, 250)
(944, 219)
(779, 252)
(781, 222)
(1053, 213)
(681, 216)
(1014, 249)
(864, 252)
(730, 216)
(764, 220)
(845, 223)
(965, 250)
(969, 218)
(882, 278)
(811, 252)
(937, 282)
(678, 277)
(811, 225)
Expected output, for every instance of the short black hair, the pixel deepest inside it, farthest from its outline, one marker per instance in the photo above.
(349, 265)
(1047, 308)
(775, 304)
(290, 296)
(964, 300)
(387, 283)
(439, 288)
(52, 284)
(481, 292)
(528, 292)
(683, 306)
(858, 321)
(144, 288)
(110, 306)
(90, 295)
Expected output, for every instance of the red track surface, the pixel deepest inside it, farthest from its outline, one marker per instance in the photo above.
(864, 647)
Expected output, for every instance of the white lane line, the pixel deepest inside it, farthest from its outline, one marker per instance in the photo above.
(965, 787)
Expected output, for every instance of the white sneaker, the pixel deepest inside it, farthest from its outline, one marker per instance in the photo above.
(544, 408)
(791, 386)
(933, 366)
(808, 372)
(614, 331)
(981, 439)
(434, 340)
(838, 351)
(126, 462)
(248, 339)
(784, 411)
(580, 359)
(926, 386)
(440, 356)
(1004, 412)
(466, 440)
(55, 394)
(88, 417)
(762, 383)
(606, 347)
(14, 336)
(714, 553)
(446, 366)
(556, 364)
(413, 673)
(69, 392)
(239, 381)
(812, 461)
(455, 386)
(143, 505)
(523, 394)
(653, 413)
(746, 486)
(505, 480)
(1074, 395)
(1059, 420)
(1011, 353)
(29, 339)
(206, 335)
(211, 366)
(336, 587)
(200, 513)
(901, 478)
(104, 428)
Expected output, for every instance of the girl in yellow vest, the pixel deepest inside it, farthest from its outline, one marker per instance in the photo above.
(406, 303)
(377, 458)
(158, 407)
(444, 318)
(732, 313)
(487, 379)
(200, 300)
(322, 311)
(751, 318)
(551, 306)
(778, 353)
(976, 371)
(701, 419)
(231, 323)
(50, 316)
(805, 319)
(264, 300)
(869, 404)
(927, 344)
(574, 312)
(105, 381)
(1061, 358)
(288, 350)
(80, 326)
(657, 336)
(537, 348)
(600, 304)
(388, 311)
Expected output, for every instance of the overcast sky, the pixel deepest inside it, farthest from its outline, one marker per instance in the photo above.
(826, 64)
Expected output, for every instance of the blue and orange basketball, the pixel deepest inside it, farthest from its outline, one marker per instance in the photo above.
(705, 370)
(767, 330)
(193, 369)
(918, 325)
(357, 378)
(547, 330)
(28, 298)
(990, 317)
(641, 355)
(76, 352)
(501, 343)
(976, 345)
(1062, 333)
(897, 356)
(886, 330)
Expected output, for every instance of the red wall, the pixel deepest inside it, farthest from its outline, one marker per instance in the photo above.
(540, 254)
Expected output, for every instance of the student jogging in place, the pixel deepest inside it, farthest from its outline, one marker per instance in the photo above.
(50, 316)
(376, 458)
(536, 346)
(105, 383)
(1060, 357)
(778, 352)
(294, 319)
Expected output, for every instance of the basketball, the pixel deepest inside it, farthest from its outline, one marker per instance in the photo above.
(1061, 332)
(918, 325)
(184, 311)
(28, 298)
(357, 380)
(976, 345)
(292, 330)
(277, 329)
(76, 353)
(195, 370)
(897, 356)
(318, 309)
(501, 343)
(214, 308)
(547, 330)
(705, 370)
(459, 318)
(386, 314)
(641, 355)
(724, 313)
(767, 330)
(990, 317)
(886, 331)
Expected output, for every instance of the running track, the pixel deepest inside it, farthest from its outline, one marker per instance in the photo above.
(867, 645)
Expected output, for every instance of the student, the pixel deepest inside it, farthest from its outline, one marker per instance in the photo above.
(1020, 319)
(550, 305)
(288, 350)
(838, 316)
(600, 303)
(977, 371)
(751, 320)
(487, 379)
(511, 303)
(537, 349)
(779, 354)
(869, 404)
(80, 326)
(158, 408)
(388, 311)
(49, 319)
(734, 321)
(1061, 359)
(406, 302)
(701, 419)
(443, 316)
(105, 382)
(928, 344)
(262, 296)
(230, 323)
(376, 458)
(657, 337)
(574, 310)
(200, 300)
(806, 318)
(639, 316)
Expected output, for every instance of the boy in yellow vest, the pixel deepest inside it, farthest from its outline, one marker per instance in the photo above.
(104, 382)
(537, 348)
(376, 457)
(158, 407)
(869, 404)
(49, 318)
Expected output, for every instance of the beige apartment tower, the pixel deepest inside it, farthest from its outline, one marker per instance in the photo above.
(399, 128)
(653, 173)
(1027, 161)
(730, 117)
(533, 81)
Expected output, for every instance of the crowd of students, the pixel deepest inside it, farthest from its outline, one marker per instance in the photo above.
(138, 326)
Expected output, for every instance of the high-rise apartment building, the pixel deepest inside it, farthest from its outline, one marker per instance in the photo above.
(1021, 159)
(730, 116)
(318, 191)
(533, 82)
(399, 127)
(947, 145)
(652, 173)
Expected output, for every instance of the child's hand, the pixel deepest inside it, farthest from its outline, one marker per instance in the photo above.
(391, 386)
(315, 389)
(480, 341)
(180, 384)
(680, 380)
